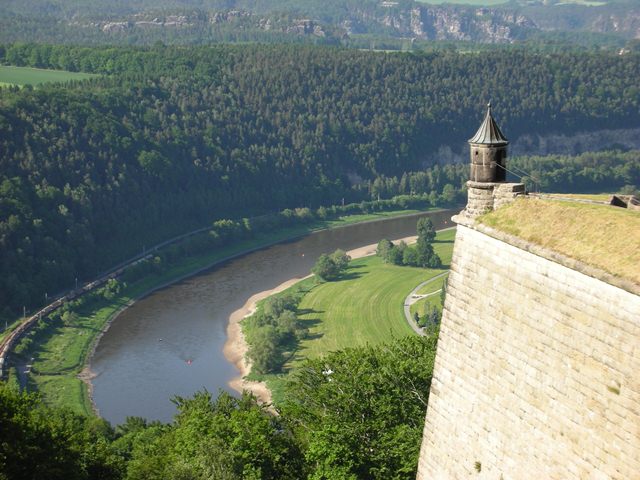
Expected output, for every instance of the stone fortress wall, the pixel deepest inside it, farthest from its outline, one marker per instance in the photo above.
(537, 373)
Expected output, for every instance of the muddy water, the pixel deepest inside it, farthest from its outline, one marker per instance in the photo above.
(170, 343)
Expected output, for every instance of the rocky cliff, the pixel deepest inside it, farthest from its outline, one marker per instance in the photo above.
(501, 24)
(492, 25)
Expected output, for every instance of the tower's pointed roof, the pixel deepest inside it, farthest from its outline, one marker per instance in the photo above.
(489, 133)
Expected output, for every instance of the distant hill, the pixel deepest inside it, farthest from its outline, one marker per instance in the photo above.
(610, 23)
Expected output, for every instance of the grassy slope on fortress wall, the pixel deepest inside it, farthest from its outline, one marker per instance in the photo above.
(60, 351)
(576, 230)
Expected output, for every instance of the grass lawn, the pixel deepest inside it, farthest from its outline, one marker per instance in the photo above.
(60, 352)
(36, 76)
(63, 390)
(432, 287)
(597, 197)
(599, 235)
(421, 305)
(430, 301)
(366, 306)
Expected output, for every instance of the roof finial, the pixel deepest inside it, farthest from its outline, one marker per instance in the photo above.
(489, 133)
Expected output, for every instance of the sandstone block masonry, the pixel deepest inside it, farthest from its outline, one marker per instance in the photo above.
(537, 373)
(485, 197)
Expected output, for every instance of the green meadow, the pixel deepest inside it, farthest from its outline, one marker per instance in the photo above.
(432, 300)
(36, 76)
(365, 305)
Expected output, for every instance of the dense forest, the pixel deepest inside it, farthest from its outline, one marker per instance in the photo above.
(168, 139)
(364, 419)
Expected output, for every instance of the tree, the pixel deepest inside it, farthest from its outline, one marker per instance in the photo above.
(396, 254)
(426, 230)
(109, 141)
(40, 442)
(263, 349)
(153, 163)
(340, 259)
(449, 194)
(227, 439)
(329, 267)
(425, 255)
(360, 410)
(434, 315)
(443, 293)
(383, 249)
(287, 323)
(324, 268)
(275, 305)
(410, 257)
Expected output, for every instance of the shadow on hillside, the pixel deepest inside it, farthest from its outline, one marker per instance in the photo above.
(352, 272)
(314, 336)
(349, 276)
(309, 323)
(299, 355)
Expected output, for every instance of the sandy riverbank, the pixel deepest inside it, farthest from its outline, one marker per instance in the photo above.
(235, 348)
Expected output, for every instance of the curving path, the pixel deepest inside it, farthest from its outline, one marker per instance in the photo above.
(413, 298)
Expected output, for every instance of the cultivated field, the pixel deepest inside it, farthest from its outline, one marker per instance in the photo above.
(37, 76)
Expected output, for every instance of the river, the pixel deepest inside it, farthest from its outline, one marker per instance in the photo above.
(170, 342)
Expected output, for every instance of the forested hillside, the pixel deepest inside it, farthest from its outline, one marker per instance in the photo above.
(170, 138)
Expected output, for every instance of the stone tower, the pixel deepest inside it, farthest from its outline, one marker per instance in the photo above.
(487, 187)
(488, 152)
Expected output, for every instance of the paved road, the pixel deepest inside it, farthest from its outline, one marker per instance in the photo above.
(413, 298)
